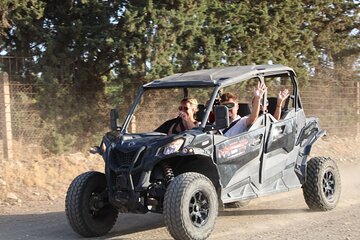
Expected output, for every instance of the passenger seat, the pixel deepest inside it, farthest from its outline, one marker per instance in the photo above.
(244, 109)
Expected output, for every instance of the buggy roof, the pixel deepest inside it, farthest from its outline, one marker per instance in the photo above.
(218, 76)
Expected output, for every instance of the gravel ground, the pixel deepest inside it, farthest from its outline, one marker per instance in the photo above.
(33, 207)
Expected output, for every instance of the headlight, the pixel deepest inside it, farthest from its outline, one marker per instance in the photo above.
(173, 146)
(103, 147)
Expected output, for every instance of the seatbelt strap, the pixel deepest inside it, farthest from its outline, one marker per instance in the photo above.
(231, 124)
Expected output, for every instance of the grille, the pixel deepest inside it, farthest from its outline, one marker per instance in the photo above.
(125, 159)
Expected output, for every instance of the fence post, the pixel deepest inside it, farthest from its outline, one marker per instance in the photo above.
(6, 112)
(133, 124)
(358, 107)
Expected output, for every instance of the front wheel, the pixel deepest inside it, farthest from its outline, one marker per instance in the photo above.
(86, 205)
(323, 185)
(190, 206)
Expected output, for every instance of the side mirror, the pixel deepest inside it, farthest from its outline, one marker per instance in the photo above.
(221, 116)
(114, 116)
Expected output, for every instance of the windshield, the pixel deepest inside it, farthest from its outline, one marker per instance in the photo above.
(160, 105)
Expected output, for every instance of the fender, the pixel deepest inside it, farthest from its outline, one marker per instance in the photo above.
(309, 134)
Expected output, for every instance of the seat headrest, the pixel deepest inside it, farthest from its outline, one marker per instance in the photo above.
(272, 105)
(244, 109)
(200, 113)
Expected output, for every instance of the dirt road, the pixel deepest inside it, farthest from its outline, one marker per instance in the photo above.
(282, 216)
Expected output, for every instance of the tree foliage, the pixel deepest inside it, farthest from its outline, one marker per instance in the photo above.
(87, 53)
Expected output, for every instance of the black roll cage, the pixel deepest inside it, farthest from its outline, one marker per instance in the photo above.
(217, 85)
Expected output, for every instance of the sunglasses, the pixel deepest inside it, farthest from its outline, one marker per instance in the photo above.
(229, 105)
(181, 108)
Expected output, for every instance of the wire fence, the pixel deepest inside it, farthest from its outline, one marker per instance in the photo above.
(336, 105)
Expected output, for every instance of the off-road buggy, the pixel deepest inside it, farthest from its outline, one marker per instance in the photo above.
(189, 176)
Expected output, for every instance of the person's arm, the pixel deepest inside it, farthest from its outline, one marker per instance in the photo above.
(258, 92)
(165, 127)
(283, 94)
(187, 121)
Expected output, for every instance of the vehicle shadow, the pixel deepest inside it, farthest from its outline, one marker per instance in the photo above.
(54, 225)
(135, 223)
(51, 225)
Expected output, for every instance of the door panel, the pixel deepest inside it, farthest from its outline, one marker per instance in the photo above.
(280, 142)
(236, 152)
(281, 135)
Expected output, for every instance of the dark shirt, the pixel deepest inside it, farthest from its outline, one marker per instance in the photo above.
(165, 127)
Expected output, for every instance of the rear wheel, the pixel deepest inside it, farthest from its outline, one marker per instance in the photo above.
(190, 206)
(323, 185)
(86, 205)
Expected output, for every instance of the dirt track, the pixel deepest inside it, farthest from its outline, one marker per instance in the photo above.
(282, 216)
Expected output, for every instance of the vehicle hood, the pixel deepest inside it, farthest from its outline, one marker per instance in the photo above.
(129, 143)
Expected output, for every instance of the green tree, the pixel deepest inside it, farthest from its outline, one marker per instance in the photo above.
(87, 54)
(333, 23)
(18, 22)
(69, 43)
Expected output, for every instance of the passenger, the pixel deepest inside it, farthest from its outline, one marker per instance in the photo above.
(240, 124)
(184, 121)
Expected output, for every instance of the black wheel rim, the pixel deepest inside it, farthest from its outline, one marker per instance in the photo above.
(98, 209)
(94, 206)
(329, 185)
(199, 208)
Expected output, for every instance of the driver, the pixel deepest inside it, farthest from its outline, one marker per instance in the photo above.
(184, 121)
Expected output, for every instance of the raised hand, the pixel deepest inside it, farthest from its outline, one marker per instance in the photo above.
(260, 89)
(184, 116)
(283, 94)
(188, 122)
